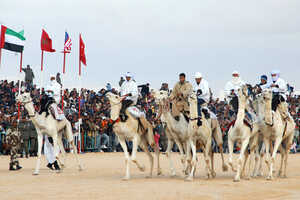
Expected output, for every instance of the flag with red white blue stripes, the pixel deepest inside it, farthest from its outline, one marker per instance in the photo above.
(68, 43)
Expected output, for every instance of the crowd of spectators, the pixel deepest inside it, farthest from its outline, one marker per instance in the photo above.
(96, 127)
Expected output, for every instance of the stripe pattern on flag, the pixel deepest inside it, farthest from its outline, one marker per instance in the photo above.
(68, 43)
(11, 40)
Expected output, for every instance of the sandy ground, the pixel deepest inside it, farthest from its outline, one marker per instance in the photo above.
(101, 179)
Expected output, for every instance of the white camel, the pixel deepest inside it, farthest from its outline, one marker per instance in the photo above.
(48, 125)
(201, 135)
(131, 130)
(239, 132)
(176, 131)
(272, 128)
(288, 136)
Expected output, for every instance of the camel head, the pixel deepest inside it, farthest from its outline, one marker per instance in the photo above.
(192, 100)
(267, 95)
(159, 96)
(283, 109)
(113, 98)
(243, 94)
(23, 98)
(115, 103)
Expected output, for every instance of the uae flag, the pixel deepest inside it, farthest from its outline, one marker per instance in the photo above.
(12, 40)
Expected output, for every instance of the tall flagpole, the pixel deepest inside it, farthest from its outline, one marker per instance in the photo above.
(19, 105)
(0, 55)
(62, 87)
(79, 101)
(42, 60)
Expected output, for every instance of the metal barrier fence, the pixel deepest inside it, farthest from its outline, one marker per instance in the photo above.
(85, 142)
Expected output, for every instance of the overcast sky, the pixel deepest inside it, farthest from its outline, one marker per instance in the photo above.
(158, 39)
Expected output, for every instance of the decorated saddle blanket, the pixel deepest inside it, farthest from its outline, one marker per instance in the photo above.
(135, 112)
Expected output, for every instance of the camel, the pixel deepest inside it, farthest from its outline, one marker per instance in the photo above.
(287, 138)
(257, 140)
(239, 132)
(176, 131)
(131, 130)
(272, 128)
(48, 125)
(201, 135)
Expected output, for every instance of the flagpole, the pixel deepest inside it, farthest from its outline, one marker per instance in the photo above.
(0, 56)
(62, 87)
(42, 74)
(79, 101)
(19, 105)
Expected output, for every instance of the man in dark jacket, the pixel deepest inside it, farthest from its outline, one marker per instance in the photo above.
(29, 76)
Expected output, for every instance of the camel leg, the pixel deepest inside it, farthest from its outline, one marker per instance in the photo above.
(213, 172)
(207, 158)
(70, 138)
(127, 159)
(241, 158)
(230, 149)
(169, 148)
(185, 148)
(282, 152)
(272, 161)
(243, 172)
(193, 163)
(288, 145)
(178, 143)
(39, 155)
(62, 149)
(217, 134)
(224, 165)
(257, 161)
(135, 142)
(188, 159)
(144, 146)
(157, 153)
(261, 155)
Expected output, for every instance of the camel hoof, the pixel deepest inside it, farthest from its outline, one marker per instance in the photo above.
(188, 179)
(269, 178)
(35, 173)
(213, 174)
(247, 178)
(283, 176)
(126, 178)
(225, 168)
(142, 168)
(236, 180)
(159, 173)
(149, 176)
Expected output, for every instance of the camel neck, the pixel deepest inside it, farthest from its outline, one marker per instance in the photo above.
(241, 111)
(115, 111)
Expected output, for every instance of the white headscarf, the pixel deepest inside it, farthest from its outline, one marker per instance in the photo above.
(276, 73)
(236, 80)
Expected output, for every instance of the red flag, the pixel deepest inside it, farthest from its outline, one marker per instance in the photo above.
(81, 50)
(46, 42)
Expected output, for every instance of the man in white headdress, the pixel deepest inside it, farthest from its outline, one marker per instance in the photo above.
(201, 88)
(51, 100)
(53, 93)
(129, 92)
(231, 89)
(279, 89)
